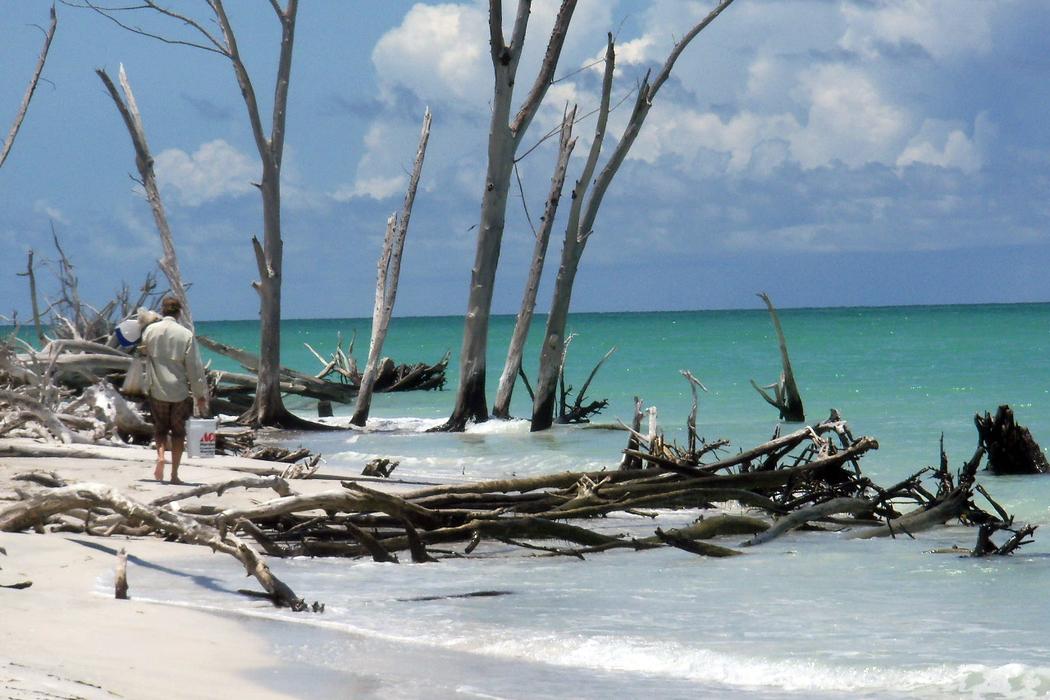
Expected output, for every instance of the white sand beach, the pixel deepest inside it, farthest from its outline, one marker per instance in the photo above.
(63, 638)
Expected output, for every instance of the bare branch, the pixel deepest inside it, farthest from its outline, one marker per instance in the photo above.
(213, 45)
(9, 142)
(546, 74)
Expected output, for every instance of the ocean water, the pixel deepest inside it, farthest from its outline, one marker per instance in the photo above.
(809, 615)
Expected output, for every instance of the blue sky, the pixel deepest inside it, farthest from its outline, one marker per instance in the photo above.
(853, 152)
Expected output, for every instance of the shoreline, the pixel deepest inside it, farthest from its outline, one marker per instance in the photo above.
(67, 639)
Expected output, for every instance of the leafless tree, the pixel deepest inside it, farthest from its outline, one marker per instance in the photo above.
(587, 199)
(268, 408)
(786, 397)
(386, 281)
(505, 135)
(49, 35)
(129, 111)
(512, 367)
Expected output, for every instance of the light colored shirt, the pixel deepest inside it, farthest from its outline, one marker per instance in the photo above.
(173, 364)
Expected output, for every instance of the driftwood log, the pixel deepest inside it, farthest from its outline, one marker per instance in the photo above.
(809, 478)
(34, 511)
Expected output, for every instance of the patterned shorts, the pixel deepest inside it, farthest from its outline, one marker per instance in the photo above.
(170, 418)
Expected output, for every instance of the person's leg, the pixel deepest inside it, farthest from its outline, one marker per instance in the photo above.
(179, 414)
(161, 413)
(176, 457)
(158, 469)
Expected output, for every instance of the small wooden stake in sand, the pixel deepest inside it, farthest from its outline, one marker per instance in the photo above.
(121, 587)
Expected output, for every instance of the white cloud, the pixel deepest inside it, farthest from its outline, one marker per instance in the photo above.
(945, 144)
(374, 187)
(42, 206)
(943, 28)
(958, 151)
(215, 170)
(848, 120)
(438, 50)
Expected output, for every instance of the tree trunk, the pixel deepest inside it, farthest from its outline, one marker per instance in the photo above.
(553, 347)
(512, 367)
(581, 221)
(504, 138)
(1010, 446)
(31, 274)
(387, 279)
(129, 110)
(268, 408)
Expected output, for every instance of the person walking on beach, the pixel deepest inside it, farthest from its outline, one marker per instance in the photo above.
(174, 371)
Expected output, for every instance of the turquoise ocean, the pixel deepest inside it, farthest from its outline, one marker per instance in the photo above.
(810, 615)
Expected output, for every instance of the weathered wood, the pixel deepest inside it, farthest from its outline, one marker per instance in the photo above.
(505, 136)
(36, 509)
(379, 553)
(276, 483)
(799, 518)
(129, 111)
(950, 506)
(1010, 446)
(515, 349)
(20, 116)
(787, 400)
(388, 273)
(588, 196)
(696, 547)
(121, 584)
(578, 413)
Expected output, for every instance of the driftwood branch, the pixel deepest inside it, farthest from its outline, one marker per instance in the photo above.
(787, 399)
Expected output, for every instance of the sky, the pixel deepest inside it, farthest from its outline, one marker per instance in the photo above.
(830, 153)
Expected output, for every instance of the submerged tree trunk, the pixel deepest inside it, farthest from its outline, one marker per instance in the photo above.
(386, 281)
(553, 348)
(581, 221)
(1010, 446)
(512, 367)
(504, 138)
(787, 399)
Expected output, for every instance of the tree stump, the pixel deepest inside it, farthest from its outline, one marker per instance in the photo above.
(1011, 448)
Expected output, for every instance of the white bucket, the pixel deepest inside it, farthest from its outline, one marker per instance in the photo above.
(200, 437)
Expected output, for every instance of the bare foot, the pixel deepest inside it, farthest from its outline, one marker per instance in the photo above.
(177, 481)
(158, 471)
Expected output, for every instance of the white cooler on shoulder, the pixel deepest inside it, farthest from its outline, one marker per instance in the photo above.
(200, 437)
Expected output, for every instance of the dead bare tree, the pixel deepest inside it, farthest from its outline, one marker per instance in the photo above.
(268, 408)
(129, 111)
(386, 281)
(31, 274)
(505, 135)
(49, 35)
(587, 200)
(512, 367)
(786, 397)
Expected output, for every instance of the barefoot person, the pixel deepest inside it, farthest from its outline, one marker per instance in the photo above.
(174, 371)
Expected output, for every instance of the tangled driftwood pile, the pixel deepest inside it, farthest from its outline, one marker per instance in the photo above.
(810, 478)
(339, 381)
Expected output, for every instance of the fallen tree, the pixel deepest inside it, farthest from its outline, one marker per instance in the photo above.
(807, 479)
